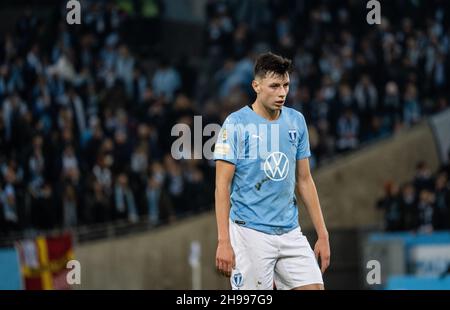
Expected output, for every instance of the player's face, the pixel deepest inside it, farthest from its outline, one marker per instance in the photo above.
(272, 90)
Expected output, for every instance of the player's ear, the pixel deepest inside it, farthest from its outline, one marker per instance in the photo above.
(256, 86)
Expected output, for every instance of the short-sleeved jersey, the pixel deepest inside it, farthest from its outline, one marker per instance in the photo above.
(264, 154)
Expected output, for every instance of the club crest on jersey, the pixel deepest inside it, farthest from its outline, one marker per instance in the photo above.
(293, 135)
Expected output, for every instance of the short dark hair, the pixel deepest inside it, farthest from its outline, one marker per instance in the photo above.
(269, 62)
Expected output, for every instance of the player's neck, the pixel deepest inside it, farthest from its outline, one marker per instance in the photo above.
(270, 115)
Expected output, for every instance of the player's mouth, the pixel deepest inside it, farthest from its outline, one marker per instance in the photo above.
(279, 102)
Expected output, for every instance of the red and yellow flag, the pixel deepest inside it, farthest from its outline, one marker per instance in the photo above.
(43, 262)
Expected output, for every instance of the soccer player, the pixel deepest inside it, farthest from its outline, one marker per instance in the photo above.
(261, 164)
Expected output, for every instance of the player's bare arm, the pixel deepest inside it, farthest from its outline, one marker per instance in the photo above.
(225, 256)
(306, 190)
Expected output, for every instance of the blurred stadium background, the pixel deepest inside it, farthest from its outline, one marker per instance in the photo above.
(86, 113)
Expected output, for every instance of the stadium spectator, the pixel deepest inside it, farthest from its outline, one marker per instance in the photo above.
(442, 202)
(348, 131)
(408, 203)
(124, 202)
(426, 210)
(390, 204)
(423, 178)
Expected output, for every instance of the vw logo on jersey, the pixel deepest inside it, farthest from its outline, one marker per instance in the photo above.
(276, 166)
(237, 279)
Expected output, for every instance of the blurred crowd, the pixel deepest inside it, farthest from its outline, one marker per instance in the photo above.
(354, 82)
(83, 128)
(85, 119)
(421, 205)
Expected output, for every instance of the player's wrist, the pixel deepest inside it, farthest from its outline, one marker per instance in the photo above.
(323, 235)
(223, 241)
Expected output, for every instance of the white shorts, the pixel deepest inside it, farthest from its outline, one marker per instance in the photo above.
(262, 260)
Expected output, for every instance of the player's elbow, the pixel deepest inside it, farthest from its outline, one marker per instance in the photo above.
(304, 184)
(222, 190)
(304, 178)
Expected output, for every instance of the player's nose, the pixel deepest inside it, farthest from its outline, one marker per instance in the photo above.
(282, 93)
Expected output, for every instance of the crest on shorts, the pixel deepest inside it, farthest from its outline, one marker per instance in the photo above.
(237, 279)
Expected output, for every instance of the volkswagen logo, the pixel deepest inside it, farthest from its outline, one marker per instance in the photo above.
(276, 166)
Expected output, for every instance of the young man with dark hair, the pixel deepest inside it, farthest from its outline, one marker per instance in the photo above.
(261, 164)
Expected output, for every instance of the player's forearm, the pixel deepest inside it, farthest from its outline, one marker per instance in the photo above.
(308, 194)
(222, 213)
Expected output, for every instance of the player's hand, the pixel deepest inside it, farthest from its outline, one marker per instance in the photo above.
(322, 249)
(225, 261)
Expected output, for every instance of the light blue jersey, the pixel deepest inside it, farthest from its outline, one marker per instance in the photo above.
(264, 154)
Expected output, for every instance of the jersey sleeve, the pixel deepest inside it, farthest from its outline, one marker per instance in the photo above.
(226, 147)
(303, 150)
